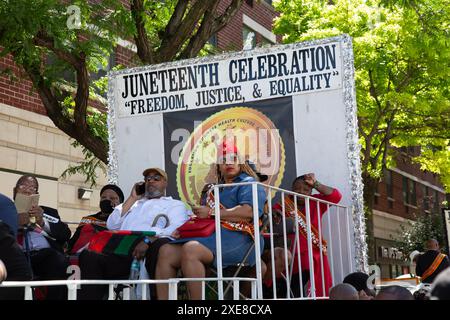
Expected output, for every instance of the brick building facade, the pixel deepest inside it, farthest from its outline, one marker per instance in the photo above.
(404, 193)
(30, 142)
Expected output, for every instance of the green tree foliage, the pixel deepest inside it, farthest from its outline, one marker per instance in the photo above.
(415, 234)
(60, 60)
(402, 54)
(61, 45)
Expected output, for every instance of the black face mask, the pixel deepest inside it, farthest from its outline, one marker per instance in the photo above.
(106, 206)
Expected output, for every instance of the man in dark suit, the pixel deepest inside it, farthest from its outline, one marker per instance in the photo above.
(432, 262)
(42, 238)
(13, 264)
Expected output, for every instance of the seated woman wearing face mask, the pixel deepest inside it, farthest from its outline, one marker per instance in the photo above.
(110, 197)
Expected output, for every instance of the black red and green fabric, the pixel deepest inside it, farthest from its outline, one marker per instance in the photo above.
(82, 237)
(121, 242)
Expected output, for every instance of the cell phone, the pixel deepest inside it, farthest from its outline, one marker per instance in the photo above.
(140, 188)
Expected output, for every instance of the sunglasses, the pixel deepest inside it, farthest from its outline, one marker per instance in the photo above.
(229, 159)
(156, 177)
(23, 187)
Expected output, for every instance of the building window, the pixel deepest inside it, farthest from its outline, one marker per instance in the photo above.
(412, 193)
(251, 28)
(409, 193)
(63, 71)
(436, 201)
(389, 188)
(385, 271)
(393, 271)
(264, 42)
(389, 184)
(426, 199)
(405, 189)
(213, 40)
(248, 38)
(376, 194)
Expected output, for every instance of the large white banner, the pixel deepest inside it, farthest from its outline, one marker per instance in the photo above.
(294, 104)
(278, 73)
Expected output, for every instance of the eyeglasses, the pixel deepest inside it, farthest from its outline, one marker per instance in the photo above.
(156, 177)
(24, 187)
(230, 159)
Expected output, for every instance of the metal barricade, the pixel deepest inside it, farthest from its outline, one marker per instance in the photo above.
(73, 285)
(336, 242)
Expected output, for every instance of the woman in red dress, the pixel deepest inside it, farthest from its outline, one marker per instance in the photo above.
(304, 184)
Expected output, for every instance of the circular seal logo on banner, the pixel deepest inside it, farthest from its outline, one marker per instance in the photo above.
(257, 140)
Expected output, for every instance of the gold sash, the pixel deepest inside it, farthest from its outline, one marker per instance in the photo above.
(242, 225)
(290, 212)
(431, 269)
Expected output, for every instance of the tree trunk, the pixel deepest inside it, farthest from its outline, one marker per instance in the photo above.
(370, 184)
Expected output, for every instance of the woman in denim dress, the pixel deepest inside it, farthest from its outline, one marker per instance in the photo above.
(192, 255)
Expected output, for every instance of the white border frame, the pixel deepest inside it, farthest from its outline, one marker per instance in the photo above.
(353, 146)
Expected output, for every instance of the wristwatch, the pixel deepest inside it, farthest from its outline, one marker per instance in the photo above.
(147, 240)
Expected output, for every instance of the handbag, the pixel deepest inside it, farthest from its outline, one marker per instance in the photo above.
(197, 227)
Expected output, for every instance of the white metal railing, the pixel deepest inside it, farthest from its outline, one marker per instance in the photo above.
(340, 210)
(333, 235)
(73, 286)
(296, 247)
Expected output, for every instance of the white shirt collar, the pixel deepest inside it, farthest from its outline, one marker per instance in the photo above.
(162, 198)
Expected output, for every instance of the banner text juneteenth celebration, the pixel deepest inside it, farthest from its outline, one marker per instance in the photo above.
(240, 79)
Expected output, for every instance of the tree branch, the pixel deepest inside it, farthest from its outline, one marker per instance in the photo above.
(144, 47)
(361, 128)
(54, 112)
(406, 79)
(210, 25)
(202, 35)
(230, 11)
(51, 104)
(79, 64)
(172, 42)
(386, 141)
(44, 40)
(373, 91)
(368, 147)
(82, 96)
(77, 129)
(177, 17)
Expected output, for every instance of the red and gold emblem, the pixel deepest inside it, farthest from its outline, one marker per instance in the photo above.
(257, 140)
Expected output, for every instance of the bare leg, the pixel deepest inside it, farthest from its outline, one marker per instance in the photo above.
(280, 263)
(246, 285)
(193, 259)
(169, 261)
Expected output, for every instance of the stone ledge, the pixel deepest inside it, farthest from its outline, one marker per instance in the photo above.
(25, 115)
(37, 151)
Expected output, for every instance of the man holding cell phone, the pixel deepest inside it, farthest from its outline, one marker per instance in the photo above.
(42, 236)
(146, 209)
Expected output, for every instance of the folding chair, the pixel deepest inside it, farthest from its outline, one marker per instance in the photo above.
(278, 241)
(233, 271)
